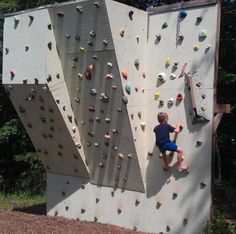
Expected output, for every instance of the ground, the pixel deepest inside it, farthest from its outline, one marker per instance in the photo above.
(16, 222)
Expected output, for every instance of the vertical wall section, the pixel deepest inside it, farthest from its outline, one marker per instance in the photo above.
(87, 79)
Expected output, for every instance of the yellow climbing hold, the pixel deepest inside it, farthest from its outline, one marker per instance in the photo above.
(196, 47)
(157, 95)
(167, 62)
(82, 49)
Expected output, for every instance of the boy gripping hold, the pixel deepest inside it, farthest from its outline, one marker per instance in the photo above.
(164, 143)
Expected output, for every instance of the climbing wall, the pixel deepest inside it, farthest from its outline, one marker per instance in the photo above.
(88, 78)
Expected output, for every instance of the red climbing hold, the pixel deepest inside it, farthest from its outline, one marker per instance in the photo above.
(92, 66)
(124, 74)
(87, 74)
(179, 97)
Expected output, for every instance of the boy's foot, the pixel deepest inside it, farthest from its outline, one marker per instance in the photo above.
(183, 167)
(165, 168)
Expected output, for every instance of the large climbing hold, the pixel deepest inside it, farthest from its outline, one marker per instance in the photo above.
(161, 77)
(182, 14)
(87, 74)
(124, 74)
(128, 88)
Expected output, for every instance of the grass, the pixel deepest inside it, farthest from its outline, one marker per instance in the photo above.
(21, 201)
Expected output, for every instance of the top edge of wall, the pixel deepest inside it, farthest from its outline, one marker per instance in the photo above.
(42, 7)
(184, 5)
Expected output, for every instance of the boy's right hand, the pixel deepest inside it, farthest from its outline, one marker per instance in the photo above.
(178, 127)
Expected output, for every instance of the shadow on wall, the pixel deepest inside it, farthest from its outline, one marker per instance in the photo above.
(156, 177)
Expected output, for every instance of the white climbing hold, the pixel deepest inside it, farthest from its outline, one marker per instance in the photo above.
(171, 101)
(162, 77)
(172, 76)
(109, 65)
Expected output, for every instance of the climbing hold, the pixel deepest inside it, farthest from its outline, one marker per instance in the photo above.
(115, 148)
(167, 64)
(164, 25)
(198, 143)
(158, 36)
(91, 109)
(202, 34)
(60, 13)
(136, 64)
(21, 109)
(26, 48)
(82, 49)
(92, 33)
(55, 213)
(134, 228)
(87, 74)
(132, 115)
(136, 89)
(69, 118)
(175, 65)
(44, 135)
(43, 120)
(171, 101)
(172, 76)
(107, 136)
(93, 92)
(174, 196)
(82, 211)
(9, 87)
(150, 153)
(158, 205)
(109, 76)
(203, 108)
(96, 144)
(79, 9)
(196, 47)
(198, 84)
(161, 102)
(121, 156)
(97, 200)
(12, 73)
(137, 38)
(179, 97)
(118, 166)
(181, 38)
(101, 165)
(128, 88)
(50, 45)
(73, 129)
(124, 74)
(77, 37)
(125, 99)
(88, 143)
(202, 185)
(6, 50)
(67, 35)
(130, 155)
(161, 77)
(122, 32)
(97, 119)
(168, 228)
(107, 120)
(105, 42)
(95, 219)
(109, 65)
(139, 114)
(203, 96)
(119, 210)
(143, 125)
(125, 179)
(49, 79)
(97, 4)
(131, 15)
(185, 221)
(103, 97)
(92, 66)
(80, 76)
(78, 145)
(208, 47)
(90, 43)
(182, 14)
(144, 75)
(157, 95)
(198, 19)
(25, 81)
(115, 131)
(49, 27)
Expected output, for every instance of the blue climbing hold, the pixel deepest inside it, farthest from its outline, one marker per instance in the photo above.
(182, 14)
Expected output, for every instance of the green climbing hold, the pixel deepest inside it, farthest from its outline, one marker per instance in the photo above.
(165, 25)
(128, 88)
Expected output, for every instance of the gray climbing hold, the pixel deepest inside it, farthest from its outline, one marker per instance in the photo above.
(93, 92)
(79, 9)
(105, 42)
(125, 99)
(92, 33)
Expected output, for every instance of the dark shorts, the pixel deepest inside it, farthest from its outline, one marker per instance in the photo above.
(170, 146)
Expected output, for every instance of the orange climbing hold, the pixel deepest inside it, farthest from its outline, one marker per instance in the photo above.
(124, 74)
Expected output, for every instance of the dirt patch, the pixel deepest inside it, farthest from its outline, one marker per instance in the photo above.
(14, 222)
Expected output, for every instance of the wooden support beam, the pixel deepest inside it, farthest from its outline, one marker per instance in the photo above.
(222, 108)
(216, 122)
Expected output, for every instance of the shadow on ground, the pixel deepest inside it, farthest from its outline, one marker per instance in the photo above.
(39, 209)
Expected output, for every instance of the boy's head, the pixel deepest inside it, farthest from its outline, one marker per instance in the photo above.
(162, 117)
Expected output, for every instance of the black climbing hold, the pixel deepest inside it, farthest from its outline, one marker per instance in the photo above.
(21, 109)
(50, 45)
(49, 26)
(49, 79)
(36, 81)
(131, 15)
(25, 81)
(60, 14)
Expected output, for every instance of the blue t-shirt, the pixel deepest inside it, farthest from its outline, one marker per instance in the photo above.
(162, 132)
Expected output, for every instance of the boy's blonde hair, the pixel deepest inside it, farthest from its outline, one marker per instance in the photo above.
(162, 116)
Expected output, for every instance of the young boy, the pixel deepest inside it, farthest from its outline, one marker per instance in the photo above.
(164, 143)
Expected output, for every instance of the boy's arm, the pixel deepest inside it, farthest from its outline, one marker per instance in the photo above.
(177, 128)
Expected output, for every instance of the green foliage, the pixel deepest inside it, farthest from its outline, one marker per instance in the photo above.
(218, 226)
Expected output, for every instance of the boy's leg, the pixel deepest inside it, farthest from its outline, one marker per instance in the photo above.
(181, 166)
(165, 166)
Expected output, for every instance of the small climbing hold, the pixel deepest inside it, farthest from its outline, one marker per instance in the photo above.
(60, 13)
(82, 211)
(97, 119)
(49, 27)
(12, 73)
(77, 37)
(136, 89)
(103, 97)
(203, 108)
(91, 109)
(115, 148)
(175, 65)
(88, 143)
(78, 145)
(79, 9)
(101, 165)
(172, 76)
(10, 87)
(174, 196)
(161, 102)
(182, 14)
(69, 118)
(137, 38)
(143, 125)
(131, 15)
(55, 213)
(121, 156)
(21, 109)
(93, 92)
(80, 76)
(157, 95)
(168, 229)
(49, 79)
(26, 48)
(109, 65)
(134, 228)
(92, 66)
(164, 25)
(198, 84)
(167, 64)
(107, 120)
(6, 50)
(67, 35)
(90, 43)
(198, 143)
(107, 136)
(202, 185)
(96, 144)
(97, 200)
(87, 74)
(150, 153)
(144, 75)
(118, 166)
(158, 205)
(137, 202)
(115, 132)
(171, 101)
(119, 210)
(82, 49)
(130, 155)
(179, 97)
(125, 99)
(124, 74)
(168, 180)
(128, 88)
(50, 45)
(143, 90)
(122, 32)
(109, 76)
(92, 33)
(208, 47)
(158, 36)
(73, 129)
(97, 4)
(125, 179)
(95, 219)
(136, 64)
(198, 19)
(202, 34)
(185, 221)
(203, 96)
(161, 77)
(196, 47)
(16, 19)
(105, 42)
(139, 114)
